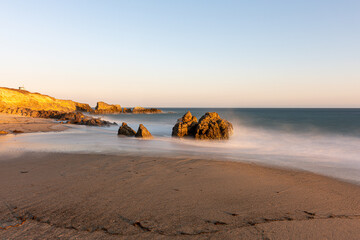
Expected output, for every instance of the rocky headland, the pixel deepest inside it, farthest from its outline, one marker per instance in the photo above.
(210, 127)
(25, 103)
(14, 98)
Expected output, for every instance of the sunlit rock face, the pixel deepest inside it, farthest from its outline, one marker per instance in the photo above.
(13, 99)
(210, 127)
(104, 108)
(142, 132)
(185, 126)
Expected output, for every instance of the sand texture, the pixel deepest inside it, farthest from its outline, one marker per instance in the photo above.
(14, 123)
(83, 196)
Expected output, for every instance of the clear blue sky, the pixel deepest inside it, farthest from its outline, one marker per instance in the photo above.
(185, 53)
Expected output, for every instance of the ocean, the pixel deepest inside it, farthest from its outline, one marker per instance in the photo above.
(324, 141)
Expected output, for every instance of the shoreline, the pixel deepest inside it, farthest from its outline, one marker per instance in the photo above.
(20, 124)
(127, 197)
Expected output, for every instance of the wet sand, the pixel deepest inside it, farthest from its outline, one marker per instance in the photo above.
(88, 196)
(19, 124)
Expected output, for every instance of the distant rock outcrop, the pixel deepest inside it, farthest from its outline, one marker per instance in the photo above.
(210, 126)
(143, 132)
(142, 110)
(104, 108)
(126, 130)
(185, 126)
(14, 98)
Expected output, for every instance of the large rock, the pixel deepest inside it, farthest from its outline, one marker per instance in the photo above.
(185, 126)
(104, 108)
(126, 130)
(143, 132)
(211, 126)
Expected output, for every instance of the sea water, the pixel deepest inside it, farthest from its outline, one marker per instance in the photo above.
(325, 141)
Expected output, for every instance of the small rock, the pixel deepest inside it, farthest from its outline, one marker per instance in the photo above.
(143, 132)
(126, 130)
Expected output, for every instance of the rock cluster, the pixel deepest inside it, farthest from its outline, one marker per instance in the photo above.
(104, 108)
(66, 117)
(128, 131)
(209, 127)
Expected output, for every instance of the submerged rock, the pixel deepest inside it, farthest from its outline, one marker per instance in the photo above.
(126, 130)
(210, 126)
(185, 126)
(143, 132)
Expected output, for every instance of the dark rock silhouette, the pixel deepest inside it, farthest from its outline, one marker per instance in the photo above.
(126, 130)
(143, 132)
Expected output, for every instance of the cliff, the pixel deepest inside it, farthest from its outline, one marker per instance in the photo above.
(13, 98)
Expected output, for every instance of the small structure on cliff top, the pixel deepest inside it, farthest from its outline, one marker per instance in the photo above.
(22, 88)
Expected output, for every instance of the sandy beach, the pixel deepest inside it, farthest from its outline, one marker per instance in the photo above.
(15, 123)
(83, 196)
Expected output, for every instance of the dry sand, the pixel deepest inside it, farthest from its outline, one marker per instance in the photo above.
(14, 123)
(80, 196)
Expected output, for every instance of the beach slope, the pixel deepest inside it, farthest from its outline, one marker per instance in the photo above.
(88, 196)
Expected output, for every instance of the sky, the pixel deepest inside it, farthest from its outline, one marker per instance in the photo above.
(188, 53)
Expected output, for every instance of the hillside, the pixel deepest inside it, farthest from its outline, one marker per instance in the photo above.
(14, 98)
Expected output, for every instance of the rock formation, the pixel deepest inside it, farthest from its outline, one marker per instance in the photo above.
(126, 130)
(210, 126)
(14, 98)
(66, 117)
(143, 132)
(141, 110)
(104, 108)
(3, 132)
(185, 126)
